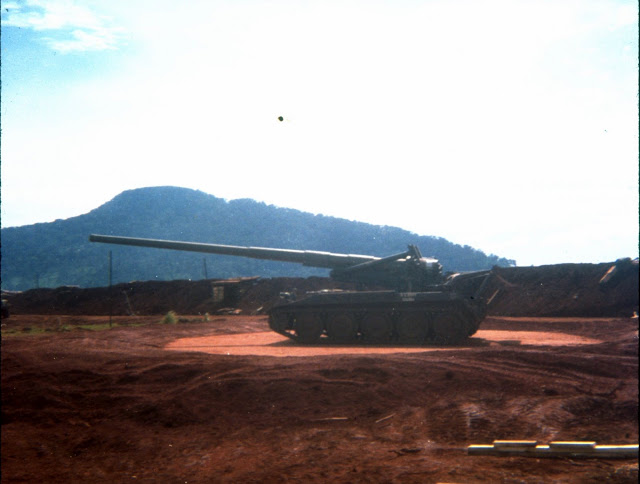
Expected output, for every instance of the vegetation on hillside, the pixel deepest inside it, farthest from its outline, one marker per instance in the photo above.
(59, 253)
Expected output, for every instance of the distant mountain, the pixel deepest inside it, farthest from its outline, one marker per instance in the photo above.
(59, 253)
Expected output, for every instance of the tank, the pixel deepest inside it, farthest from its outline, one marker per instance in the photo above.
(416, 305)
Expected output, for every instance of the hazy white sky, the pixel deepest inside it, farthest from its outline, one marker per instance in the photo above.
(510, 126)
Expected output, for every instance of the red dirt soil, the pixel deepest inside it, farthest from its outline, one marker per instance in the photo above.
(137, 403)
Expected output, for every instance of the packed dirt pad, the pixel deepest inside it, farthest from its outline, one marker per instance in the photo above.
(273, 344)
(86, 402)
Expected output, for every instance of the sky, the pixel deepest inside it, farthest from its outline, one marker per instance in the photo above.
(508, 126)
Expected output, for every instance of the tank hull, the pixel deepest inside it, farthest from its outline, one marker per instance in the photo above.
(379, 317)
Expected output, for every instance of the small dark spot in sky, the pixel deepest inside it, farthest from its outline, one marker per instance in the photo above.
(280, 118)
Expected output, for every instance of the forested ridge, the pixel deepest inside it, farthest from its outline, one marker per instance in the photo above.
(59, 253)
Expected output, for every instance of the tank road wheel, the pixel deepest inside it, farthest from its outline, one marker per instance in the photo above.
(412, 327)
(448, 329)
(280, 321)
(308, 328)
(341, 328)
(376, 328)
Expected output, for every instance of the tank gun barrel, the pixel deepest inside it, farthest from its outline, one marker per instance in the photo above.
(405, 271)
(305, 257)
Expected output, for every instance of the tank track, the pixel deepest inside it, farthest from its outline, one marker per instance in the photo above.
(379, 317)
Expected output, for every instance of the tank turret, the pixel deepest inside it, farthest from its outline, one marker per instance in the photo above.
(419, 306)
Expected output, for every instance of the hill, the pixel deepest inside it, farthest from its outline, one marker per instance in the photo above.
(58, 253)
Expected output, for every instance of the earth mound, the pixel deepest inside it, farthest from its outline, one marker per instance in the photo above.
(554, 290)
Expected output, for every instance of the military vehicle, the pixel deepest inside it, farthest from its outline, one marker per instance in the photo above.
(417, 304)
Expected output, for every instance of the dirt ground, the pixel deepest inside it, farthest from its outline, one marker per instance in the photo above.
(223, 400)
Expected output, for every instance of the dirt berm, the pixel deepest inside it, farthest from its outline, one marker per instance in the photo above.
(552, 290)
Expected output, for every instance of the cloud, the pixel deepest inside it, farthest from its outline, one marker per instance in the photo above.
(100, 39)
(69, 26)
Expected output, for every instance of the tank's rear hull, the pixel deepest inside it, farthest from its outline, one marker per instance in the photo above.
(379, 317)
